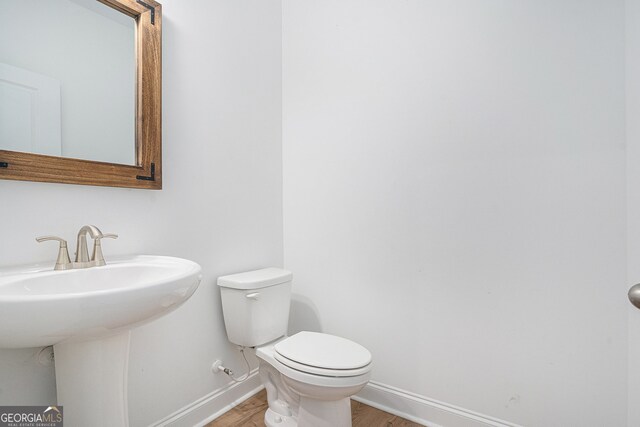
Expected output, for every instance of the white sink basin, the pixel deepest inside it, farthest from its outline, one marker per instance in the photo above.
(40, 307)
(87, 315)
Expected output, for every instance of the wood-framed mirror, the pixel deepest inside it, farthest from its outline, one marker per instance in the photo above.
(144, 169)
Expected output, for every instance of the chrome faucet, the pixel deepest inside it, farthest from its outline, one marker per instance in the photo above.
(82, 252)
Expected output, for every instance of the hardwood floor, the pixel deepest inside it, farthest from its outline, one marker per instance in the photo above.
(251, 414)
(248, 413)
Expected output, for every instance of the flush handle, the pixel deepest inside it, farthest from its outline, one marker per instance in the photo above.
(253, 296)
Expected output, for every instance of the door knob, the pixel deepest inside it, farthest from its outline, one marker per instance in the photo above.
(634, 295)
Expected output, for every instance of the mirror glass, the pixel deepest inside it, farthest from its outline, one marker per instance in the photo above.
(68, 80)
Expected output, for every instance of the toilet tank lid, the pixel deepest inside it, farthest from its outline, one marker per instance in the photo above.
(255, 279)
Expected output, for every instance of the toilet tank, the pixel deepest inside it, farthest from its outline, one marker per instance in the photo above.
(255, 305)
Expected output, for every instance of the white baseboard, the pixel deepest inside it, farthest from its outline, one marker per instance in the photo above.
(214, 404)
(411, 406)
(422, 410)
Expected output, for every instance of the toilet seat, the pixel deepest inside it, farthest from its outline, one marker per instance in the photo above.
(268, 354)
(323, 354)
(321, 371)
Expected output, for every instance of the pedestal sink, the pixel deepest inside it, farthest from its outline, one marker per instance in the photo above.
(87, 315)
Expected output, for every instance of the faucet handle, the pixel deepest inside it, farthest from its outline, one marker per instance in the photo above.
(63, 262)
(47, 238)
(97, 257)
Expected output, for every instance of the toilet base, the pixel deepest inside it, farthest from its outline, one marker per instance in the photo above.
(324, 413)
(273, 419)
(291, 404)
(314, 413)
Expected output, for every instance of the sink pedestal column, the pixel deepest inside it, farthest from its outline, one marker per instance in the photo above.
(91, 381)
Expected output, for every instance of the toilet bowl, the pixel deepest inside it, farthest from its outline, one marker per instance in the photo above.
(309, 376)
(310, 385)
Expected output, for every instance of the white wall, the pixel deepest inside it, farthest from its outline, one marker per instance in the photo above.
(454, 182)
(454, 197)
(221, 205)
(633, 199)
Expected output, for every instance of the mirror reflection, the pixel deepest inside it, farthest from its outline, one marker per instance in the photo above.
(67, 80)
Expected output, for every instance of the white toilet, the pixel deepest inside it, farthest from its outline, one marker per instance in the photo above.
(309, 376)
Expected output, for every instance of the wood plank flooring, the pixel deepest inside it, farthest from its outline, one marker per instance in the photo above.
(251, 414)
